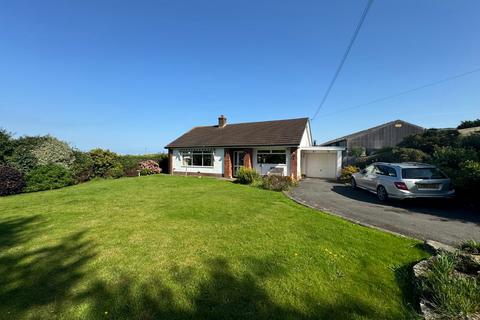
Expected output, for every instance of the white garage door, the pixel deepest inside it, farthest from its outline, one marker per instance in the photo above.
(321, 165)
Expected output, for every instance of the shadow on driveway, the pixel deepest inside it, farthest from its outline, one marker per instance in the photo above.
(448, 209)
(437, 219)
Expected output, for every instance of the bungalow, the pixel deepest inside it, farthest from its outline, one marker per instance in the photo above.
(281, 147)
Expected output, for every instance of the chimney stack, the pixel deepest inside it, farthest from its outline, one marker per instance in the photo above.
(222, 121)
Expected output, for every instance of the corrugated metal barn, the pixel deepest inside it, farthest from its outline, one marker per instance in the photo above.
(386, 135)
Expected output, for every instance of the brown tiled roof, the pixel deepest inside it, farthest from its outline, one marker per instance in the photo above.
(266, 133)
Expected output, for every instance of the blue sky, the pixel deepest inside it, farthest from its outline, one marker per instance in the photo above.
(133, 75)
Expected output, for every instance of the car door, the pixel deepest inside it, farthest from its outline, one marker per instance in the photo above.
(381, 176)
(371, 177)
(364, 178)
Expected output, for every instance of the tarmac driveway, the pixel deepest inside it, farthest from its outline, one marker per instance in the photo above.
(440, 220)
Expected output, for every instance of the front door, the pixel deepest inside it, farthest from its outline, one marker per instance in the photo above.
(237, 161)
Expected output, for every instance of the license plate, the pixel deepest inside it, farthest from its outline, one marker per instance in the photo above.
(428, 186)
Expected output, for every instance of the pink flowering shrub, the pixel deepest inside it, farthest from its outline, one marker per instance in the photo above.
(148, 167)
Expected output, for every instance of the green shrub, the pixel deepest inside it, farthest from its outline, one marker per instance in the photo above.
(449, 159)
(22, 159)
(53, 151)
(469, 175)
(347, 172)
(48, 177)
(82, 167)
(6, 145)
(106, 164)
(431, 139)
(131, 163)
(470, 246)
(163, 162)
(393, 155)
(401, 155)
(277, 183)
(11, 181)
(144, 172)
(22, 156)
(247, 175)
(115, 172)
(471, 141)
(454, 296)
(408, 155)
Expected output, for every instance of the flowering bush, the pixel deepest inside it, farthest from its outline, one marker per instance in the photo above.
(148, 167)
(347, 172)
(131, 163)
(54, 151)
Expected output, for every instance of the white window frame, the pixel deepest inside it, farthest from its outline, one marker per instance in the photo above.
(189, 153)
(272, 151)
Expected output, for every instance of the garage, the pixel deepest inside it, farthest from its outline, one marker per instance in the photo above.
(322, 162)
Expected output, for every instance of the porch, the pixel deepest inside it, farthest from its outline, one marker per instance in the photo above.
(265, 160)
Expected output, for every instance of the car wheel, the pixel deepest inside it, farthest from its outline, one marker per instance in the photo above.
(382, 194)
(353, 183)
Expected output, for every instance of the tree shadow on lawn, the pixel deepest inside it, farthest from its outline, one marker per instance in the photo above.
(17, 230)
(223, 295)
(36, 277)
(41, 282)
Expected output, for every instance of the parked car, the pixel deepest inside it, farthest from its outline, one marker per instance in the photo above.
(404, 180)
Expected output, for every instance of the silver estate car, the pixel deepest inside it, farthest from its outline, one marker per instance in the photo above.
(403, 181)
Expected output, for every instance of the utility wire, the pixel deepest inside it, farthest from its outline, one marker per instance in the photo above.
(344, 58)
(401, 93)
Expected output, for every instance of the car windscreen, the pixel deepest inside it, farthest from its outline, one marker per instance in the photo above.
(422, 173)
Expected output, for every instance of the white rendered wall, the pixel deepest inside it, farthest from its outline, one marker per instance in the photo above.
(306, 137)
(217, 168)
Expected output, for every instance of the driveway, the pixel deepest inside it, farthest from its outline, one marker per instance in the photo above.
(439, 220)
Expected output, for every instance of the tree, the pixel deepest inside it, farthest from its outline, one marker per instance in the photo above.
(469, 124)
(356, 152)
(6, 145)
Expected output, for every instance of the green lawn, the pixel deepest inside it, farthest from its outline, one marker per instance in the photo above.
(175, 247)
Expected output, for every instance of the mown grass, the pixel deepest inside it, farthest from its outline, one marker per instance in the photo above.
(166, 247)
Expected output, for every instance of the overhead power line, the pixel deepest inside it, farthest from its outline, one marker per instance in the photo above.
(401, 93)
(344, 58)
